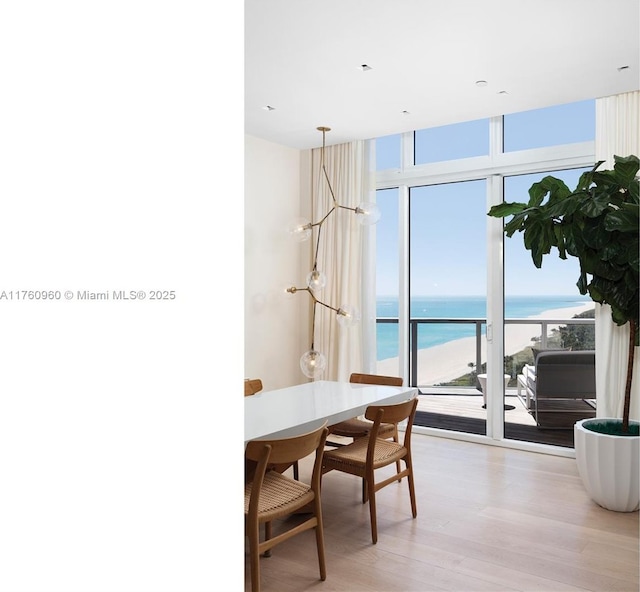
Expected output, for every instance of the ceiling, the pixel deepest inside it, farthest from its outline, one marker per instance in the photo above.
(304, 59)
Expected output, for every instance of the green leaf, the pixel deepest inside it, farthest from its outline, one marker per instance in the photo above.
(626, 219)
(585, 180)
(506, 209)
(615, 293)
(626, 169)
(558, 208)
(608, 270)
(537, 193)
(619, 316)
(556, 188)
(595, 204)
(614, 253)
(595, 235)
(515, 224)
(589, 260)
(596, 296)
(559, 240)
(535, 241)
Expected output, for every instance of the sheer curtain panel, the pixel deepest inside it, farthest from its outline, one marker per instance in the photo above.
(340, 252)
(617, 133)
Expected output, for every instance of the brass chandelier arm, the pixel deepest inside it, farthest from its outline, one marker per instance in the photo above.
(356, 210)
(336, 310)
(326, 176)
(293, 290)
(315, 255)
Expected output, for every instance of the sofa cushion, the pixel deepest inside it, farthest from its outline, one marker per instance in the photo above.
(536, 351)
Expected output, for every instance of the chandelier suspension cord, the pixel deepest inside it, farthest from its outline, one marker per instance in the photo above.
(313, 321)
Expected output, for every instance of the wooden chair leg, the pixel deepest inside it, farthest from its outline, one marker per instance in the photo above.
(267, 536)
(320, 542)
(254, 558)
(372, 509)
(412, 490)
(396, 439)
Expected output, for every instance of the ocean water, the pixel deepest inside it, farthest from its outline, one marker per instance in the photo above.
(457, 307)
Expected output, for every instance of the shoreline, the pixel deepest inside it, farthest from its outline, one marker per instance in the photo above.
(448, 361)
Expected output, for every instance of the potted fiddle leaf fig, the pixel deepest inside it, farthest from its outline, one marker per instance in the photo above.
(597, 222)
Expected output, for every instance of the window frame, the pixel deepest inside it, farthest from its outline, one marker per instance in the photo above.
(492, 167)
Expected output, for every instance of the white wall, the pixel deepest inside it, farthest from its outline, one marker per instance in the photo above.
(275, 325)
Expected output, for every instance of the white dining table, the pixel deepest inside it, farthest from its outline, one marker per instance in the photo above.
(294, 410)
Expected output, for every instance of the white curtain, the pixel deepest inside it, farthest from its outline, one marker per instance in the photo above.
(617, 133)
(340, 251)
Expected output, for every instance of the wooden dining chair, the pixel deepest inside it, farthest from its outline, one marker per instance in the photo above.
(365, 455)
(251, 387)
(270, 495)
(360, 428)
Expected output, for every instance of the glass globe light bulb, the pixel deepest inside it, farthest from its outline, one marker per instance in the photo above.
(368, 213)
(316, 280)
(313, 363)
(348, 315)
(300, 229)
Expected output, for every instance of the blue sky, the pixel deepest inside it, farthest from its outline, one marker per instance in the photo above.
(448, 222)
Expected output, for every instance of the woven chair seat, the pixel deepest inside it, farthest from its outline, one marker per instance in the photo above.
(352, 458)
(279, 496)
(359, 428)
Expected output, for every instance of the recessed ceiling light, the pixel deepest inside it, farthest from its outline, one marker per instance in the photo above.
(364, 67)
(268, 108)
(503, 92)
(481, 83)
(621, 68)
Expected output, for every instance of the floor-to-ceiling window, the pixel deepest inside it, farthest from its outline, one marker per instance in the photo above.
(445, 179)
(388, 285)
(448, 278)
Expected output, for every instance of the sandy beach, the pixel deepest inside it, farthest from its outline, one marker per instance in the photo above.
(451, 360)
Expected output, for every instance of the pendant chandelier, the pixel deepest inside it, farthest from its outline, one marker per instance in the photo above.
(313, 362)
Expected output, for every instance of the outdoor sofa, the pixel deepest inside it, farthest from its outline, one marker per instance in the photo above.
(560, 388)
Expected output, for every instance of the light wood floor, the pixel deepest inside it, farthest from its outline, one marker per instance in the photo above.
(489, 519)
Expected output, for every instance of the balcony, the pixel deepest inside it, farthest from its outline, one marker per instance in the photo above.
(446, 375)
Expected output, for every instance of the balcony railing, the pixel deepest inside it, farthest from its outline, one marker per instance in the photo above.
(479, 325)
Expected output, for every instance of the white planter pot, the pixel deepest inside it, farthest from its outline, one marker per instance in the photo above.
(609, 466)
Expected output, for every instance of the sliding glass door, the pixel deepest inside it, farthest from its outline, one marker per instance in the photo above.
(458, 301)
